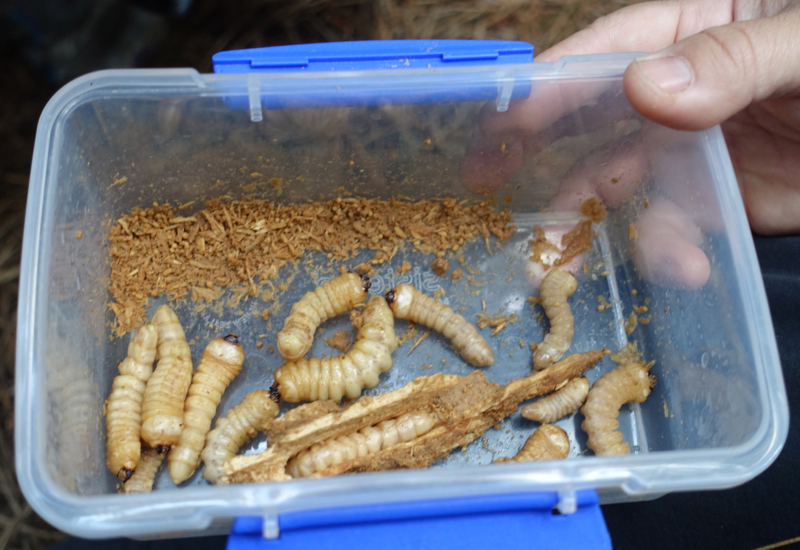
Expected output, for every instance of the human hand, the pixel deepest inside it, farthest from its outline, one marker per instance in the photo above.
(715, 63)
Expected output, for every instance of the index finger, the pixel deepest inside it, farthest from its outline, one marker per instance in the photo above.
(641, 27)
(645, 27)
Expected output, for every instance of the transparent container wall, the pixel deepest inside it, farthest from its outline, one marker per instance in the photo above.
(116, 151)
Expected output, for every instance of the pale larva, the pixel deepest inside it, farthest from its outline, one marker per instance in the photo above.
(344, 375)
(337, 296)
(627, 383)
(407, 302)
(558, 404)
(556, 288)
(145, 475)
(221, 362)
(548, 442)
(124, 406)
(372, 439)
(244, 420)
(164, 396)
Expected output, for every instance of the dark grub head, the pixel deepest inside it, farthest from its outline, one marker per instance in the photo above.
(274, 392)
(232, 339)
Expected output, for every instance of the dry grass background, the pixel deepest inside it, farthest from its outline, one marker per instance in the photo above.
(208, 27)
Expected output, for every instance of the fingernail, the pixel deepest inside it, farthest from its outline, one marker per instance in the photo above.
(672, 74)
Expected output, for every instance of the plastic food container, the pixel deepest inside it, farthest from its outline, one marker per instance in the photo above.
(404, 114)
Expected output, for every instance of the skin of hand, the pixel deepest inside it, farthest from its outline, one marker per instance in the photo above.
(733, 63)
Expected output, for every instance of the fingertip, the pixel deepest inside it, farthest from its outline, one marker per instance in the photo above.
(645, 95)
(668, 75)
(663, 88)
(673, 262)
(696, 268)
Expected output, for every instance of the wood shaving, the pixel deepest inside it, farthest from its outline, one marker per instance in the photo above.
(245, 243)
(418, 342)
(408, 335)
(118, 181)
(440, 266)
(341, 341)
(404, 268)
(640, 309)
(540, 246)
(593, 210)
(265, 314)
(631, 322)
(577, 241)
(457, 274)
(471, 270)
(629, 354)
(498, 321)
(365, 268)
(602, 304)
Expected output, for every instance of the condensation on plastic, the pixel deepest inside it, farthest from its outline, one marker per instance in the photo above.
(717, 418)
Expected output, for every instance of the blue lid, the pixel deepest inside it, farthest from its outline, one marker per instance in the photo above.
(373, 54)
(520, 520)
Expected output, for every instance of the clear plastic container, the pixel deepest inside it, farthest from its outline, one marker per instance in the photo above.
(717, 418)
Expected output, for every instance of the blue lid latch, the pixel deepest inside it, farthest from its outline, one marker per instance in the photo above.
(505, 91)
(254, 95)
(271, 528)
(567, 502)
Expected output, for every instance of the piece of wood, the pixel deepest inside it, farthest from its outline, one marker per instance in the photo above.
(464, 408)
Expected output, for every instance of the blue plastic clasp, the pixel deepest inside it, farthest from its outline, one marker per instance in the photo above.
(373, 55)
(527, 520)
(312, 87)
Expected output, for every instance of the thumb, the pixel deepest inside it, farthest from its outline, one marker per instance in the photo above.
(706, 78)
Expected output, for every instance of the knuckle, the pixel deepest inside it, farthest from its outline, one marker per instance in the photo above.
(601, 29)
(735, 47)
